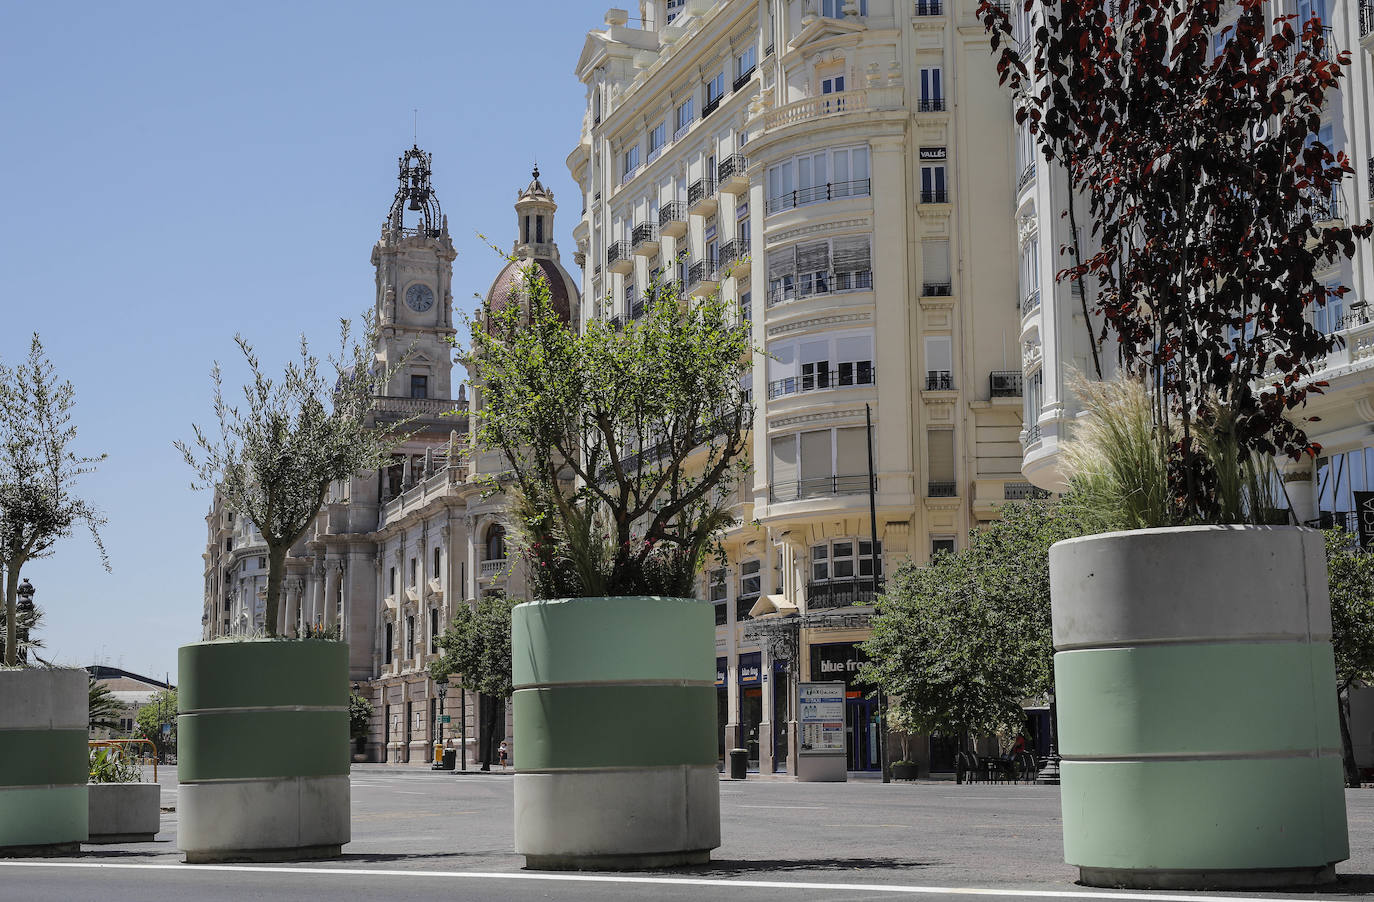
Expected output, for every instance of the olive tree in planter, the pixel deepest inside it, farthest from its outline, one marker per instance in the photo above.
(263, 754)
(122, 807)
(43, 710)
(1193, 658)
(623, 450)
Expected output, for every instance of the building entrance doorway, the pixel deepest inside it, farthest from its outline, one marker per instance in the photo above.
(861, 734)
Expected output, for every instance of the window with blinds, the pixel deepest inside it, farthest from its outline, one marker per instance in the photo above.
(935, 279)
(820, 267)
(940, 445)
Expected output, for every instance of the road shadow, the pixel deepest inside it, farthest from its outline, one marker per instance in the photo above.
(1345, 884)
(726, 867)
(381, 857)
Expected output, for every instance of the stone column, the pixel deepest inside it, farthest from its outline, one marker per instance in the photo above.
(328, 612)
(314, 614)
(892, 334)
(470, 590)
(766, 723)
(291, 610)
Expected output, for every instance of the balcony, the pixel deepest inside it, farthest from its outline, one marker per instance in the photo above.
(818, 486)
(818, 284)
(928, 8)
(644, 239)
(1030, 303)
(493, 569)
(732, 174)
(936, 289)
(743, 78)
(701, 197)
(672, 219)
(711, 106)
(930, 105)
(831, 105)
(935, 196)
(817, 194)
(618, 257)
(1022, 491)
(1032, 434)
(942, 490)
(1005, 384)
(840, 593)
(1327, 53)
(731, 251)
(702, 276)
(847, 375)
(1026, 177)
(939, 380)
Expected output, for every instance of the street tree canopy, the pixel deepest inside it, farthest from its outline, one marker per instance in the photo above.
(38, 474)
(274, 458)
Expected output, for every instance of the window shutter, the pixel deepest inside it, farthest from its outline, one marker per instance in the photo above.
(941, 445)
(935, 262)
(782, 263)
(785, 462)
(851, 451)
(852, 254)
(782, 361)
(815, 455)
(813, 257)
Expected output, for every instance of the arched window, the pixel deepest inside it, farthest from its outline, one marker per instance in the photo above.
(496, 543)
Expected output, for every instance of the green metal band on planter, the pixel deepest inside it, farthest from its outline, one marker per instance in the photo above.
(44, 816)
(590, 640)
(1195, 699)
(44, 757)
(262, 673)
(1212, 815)
(615, 726)
(249, 744)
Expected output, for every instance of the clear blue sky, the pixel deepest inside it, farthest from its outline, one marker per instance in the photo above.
(173, 173)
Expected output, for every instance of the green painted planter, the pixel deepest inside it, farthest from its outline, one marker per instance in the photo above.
(43, 761)
(262, 750)
(615, 717)
(1197, 708)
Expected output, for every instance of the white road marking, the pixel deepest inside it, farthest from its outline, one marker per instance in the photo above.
(788, 807)
(644, 881)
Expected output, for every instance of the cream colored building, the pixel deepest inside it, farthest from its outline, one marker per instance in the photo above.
(393, 552)
(843, 170)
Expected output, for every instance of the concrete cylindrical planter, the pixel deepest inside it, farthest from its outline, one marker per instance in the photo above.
(43, 761)
(615, 716)
(262, 750)
(124, 812)
(1197, 708)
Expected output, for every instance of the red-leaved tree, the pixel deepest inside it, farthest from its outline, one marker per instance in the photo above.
(1211, 205)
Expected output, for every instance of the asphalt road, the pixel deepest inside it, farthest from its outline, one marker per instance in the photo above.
(424, 835)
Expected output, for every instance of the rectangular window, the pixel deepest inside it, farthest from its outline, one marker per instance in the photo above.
(784, 461)
(842, 560)
(631, 160)
(940, 443)
(715, 89)
(820, 563)
(1328, 318)
(657, 138)
(745, 62)
(933, 185)
(433, 631)
(410, 636)
(866, 559)
(932, 90)
(414, 572)
(434, 573)
(939, 544)
(716, 583)
(393, 581)
(675, 9)
(262, 563)
(750, 579)
(939, 363)
(419, 386)
(685, 116)
(390, 641)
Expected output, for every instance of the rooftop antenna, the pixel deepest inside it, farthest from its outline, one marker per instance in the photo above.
(415, 125)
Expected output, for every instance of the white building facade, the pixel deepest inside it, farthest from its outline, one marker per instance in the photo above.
(842, 171)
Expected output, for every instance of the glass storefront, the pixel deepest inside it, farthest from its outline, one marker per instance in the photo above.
(839, 662)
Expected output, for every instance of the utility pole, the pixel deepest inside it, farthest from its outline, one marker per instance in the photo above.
(877, 584)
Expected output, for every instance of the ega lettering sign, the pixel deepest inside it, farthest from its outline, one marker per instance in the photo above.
(1364, 518)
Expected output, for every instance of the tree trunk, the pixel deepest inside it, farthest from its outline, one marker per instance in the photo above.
(276, 571)
(11, 616)
(489, 707)
(1352, 771)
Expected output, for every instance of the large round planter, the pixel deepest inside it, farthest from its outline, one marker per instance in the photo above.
(124, 812)
(615, 716)
(262, 750)
(43, 761)
(1197, 708)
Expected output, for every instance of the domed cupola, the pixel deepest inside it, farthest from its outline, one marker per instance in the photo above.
(534, 243)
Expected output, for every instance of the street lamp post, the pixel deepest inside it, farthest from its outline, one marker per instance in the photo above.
(24, 613)
(443, 692)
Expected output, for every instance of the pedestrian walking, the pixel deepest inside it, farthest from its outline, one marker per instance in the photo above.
(503, 753)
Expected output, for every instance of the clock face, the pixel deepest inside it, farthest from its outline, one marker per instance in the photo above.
(419, 298)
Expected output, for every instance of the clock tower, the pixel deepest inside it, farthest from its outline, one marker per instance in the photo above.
(414, 264)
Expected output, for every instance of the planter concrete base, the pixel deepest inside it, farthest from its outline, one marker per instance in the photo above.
(264, 819)
(1197, 708)
(124, 812)
(43, 761)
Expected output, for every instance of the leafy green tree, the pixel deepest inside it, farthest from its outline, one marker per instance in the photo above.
(160, 709)
(960, 643)
(476, 649)
(104, 709)
(622, 444)
(274, 459)
(38, 474)
(359, 717)
(1350, 573)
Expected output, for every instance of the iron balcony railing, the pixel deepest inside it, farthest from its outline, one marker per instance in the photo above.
(820, 193)
(1327, 52)
(744, 78)
(731, 251)
(936, 289)
(1030, 302)
(638, 307)
(1021, 491)
(1032, 433)
(928, 8)
(673, 211)
(768, 51)
(939, 380)
(1026, 177)
(711, 106)
(930, 105)
(817, 486)
(643, 233)
(616, 322)
(846, 375)
(1005, 383)
(840, 593)
(699, 191)
(700, 271)
(941, 489)
(813, 284)
(617, 251)
(737, 164)
(935, 196)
